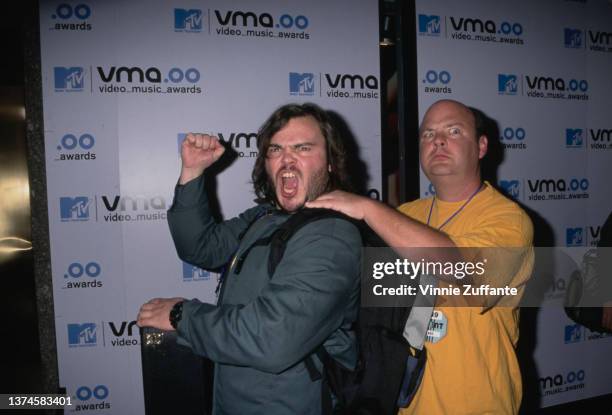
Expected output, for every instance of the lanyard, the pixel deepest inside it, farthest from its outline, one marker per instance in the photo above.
(433, 200)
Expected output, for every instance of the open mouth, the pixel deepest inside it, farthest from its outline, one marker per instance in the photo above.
(289, 184)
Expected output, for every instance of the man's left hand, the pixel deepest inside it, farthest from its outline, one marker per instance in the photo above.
(350, 204)
(156, 313)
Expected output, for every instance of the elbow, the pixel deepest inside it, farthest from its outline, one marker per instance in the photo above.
(277, 359)
(276, 364)
(184, 256)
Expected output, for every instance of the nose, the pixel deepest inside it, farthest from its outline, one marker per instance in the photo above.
(439, 140)
(288, 156)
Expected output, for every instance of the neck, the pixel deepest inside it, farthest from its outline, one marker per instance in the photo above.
(455, 192)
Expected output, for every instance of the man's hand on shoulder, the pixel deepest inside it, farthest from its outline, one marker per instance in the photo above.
(198, 152)
(347, 203)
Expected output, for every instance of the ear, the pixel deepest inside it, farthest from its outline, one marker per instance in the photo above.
(483, 146)
(329, 169)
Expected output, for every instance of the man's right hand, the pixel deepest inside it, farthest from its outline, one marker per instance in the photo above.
(198, 152)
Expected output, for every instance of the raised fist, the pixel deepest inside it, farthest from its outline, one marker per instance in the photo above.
(198, 152)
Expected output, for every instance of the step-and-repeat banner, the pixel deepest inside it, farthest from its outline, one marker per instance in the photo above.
(541, 69)
(123, 81)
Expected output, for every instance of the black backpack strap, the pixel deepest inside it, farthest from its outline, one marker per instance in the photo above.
(265, 211)
(291, 226)
(260, 242)
(314, 373)
(327, 389)
(280, 237)
(226, 267)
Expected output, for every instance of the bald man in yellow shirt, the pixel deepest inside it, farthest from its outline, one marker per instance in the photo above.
(471, 361)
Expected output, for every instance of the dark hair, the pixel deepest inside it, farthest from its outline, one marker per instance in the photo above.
(336, 155)
(480, 122)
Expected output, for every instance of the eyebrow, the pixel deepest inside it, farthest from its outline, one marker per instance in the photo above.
(451, 124)
(306, 143)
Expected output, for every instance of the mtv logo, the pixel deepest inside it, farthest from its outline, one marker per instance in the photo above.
(301, 83)
(572, 38)
(82, 334)
(74, 208)
(573, 333)
(573, 137)
(574, 237)
(429, 24)
(193, 273)
(511, 188)
(507, 84)
(69, 79)
(188, 20)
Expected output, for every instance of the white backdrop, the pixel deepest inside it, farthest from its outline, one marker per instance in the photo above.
(122, 81)
(541, 69)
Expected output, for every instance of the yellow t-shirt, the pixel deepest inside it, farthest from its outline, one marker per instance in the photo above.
(471, 361)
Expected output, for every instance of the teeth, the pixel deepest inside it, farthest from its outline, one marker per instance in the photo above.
(288, 175)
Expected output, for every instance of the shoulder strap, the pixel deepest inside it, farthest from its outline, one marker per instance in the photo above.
(260, 214)
(226, 267)
(278, 240)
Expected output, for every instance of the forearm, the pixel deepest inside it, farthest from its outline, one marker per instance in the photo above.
(400, 231)
(197, 237)
(189, 174)
(409, 238)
